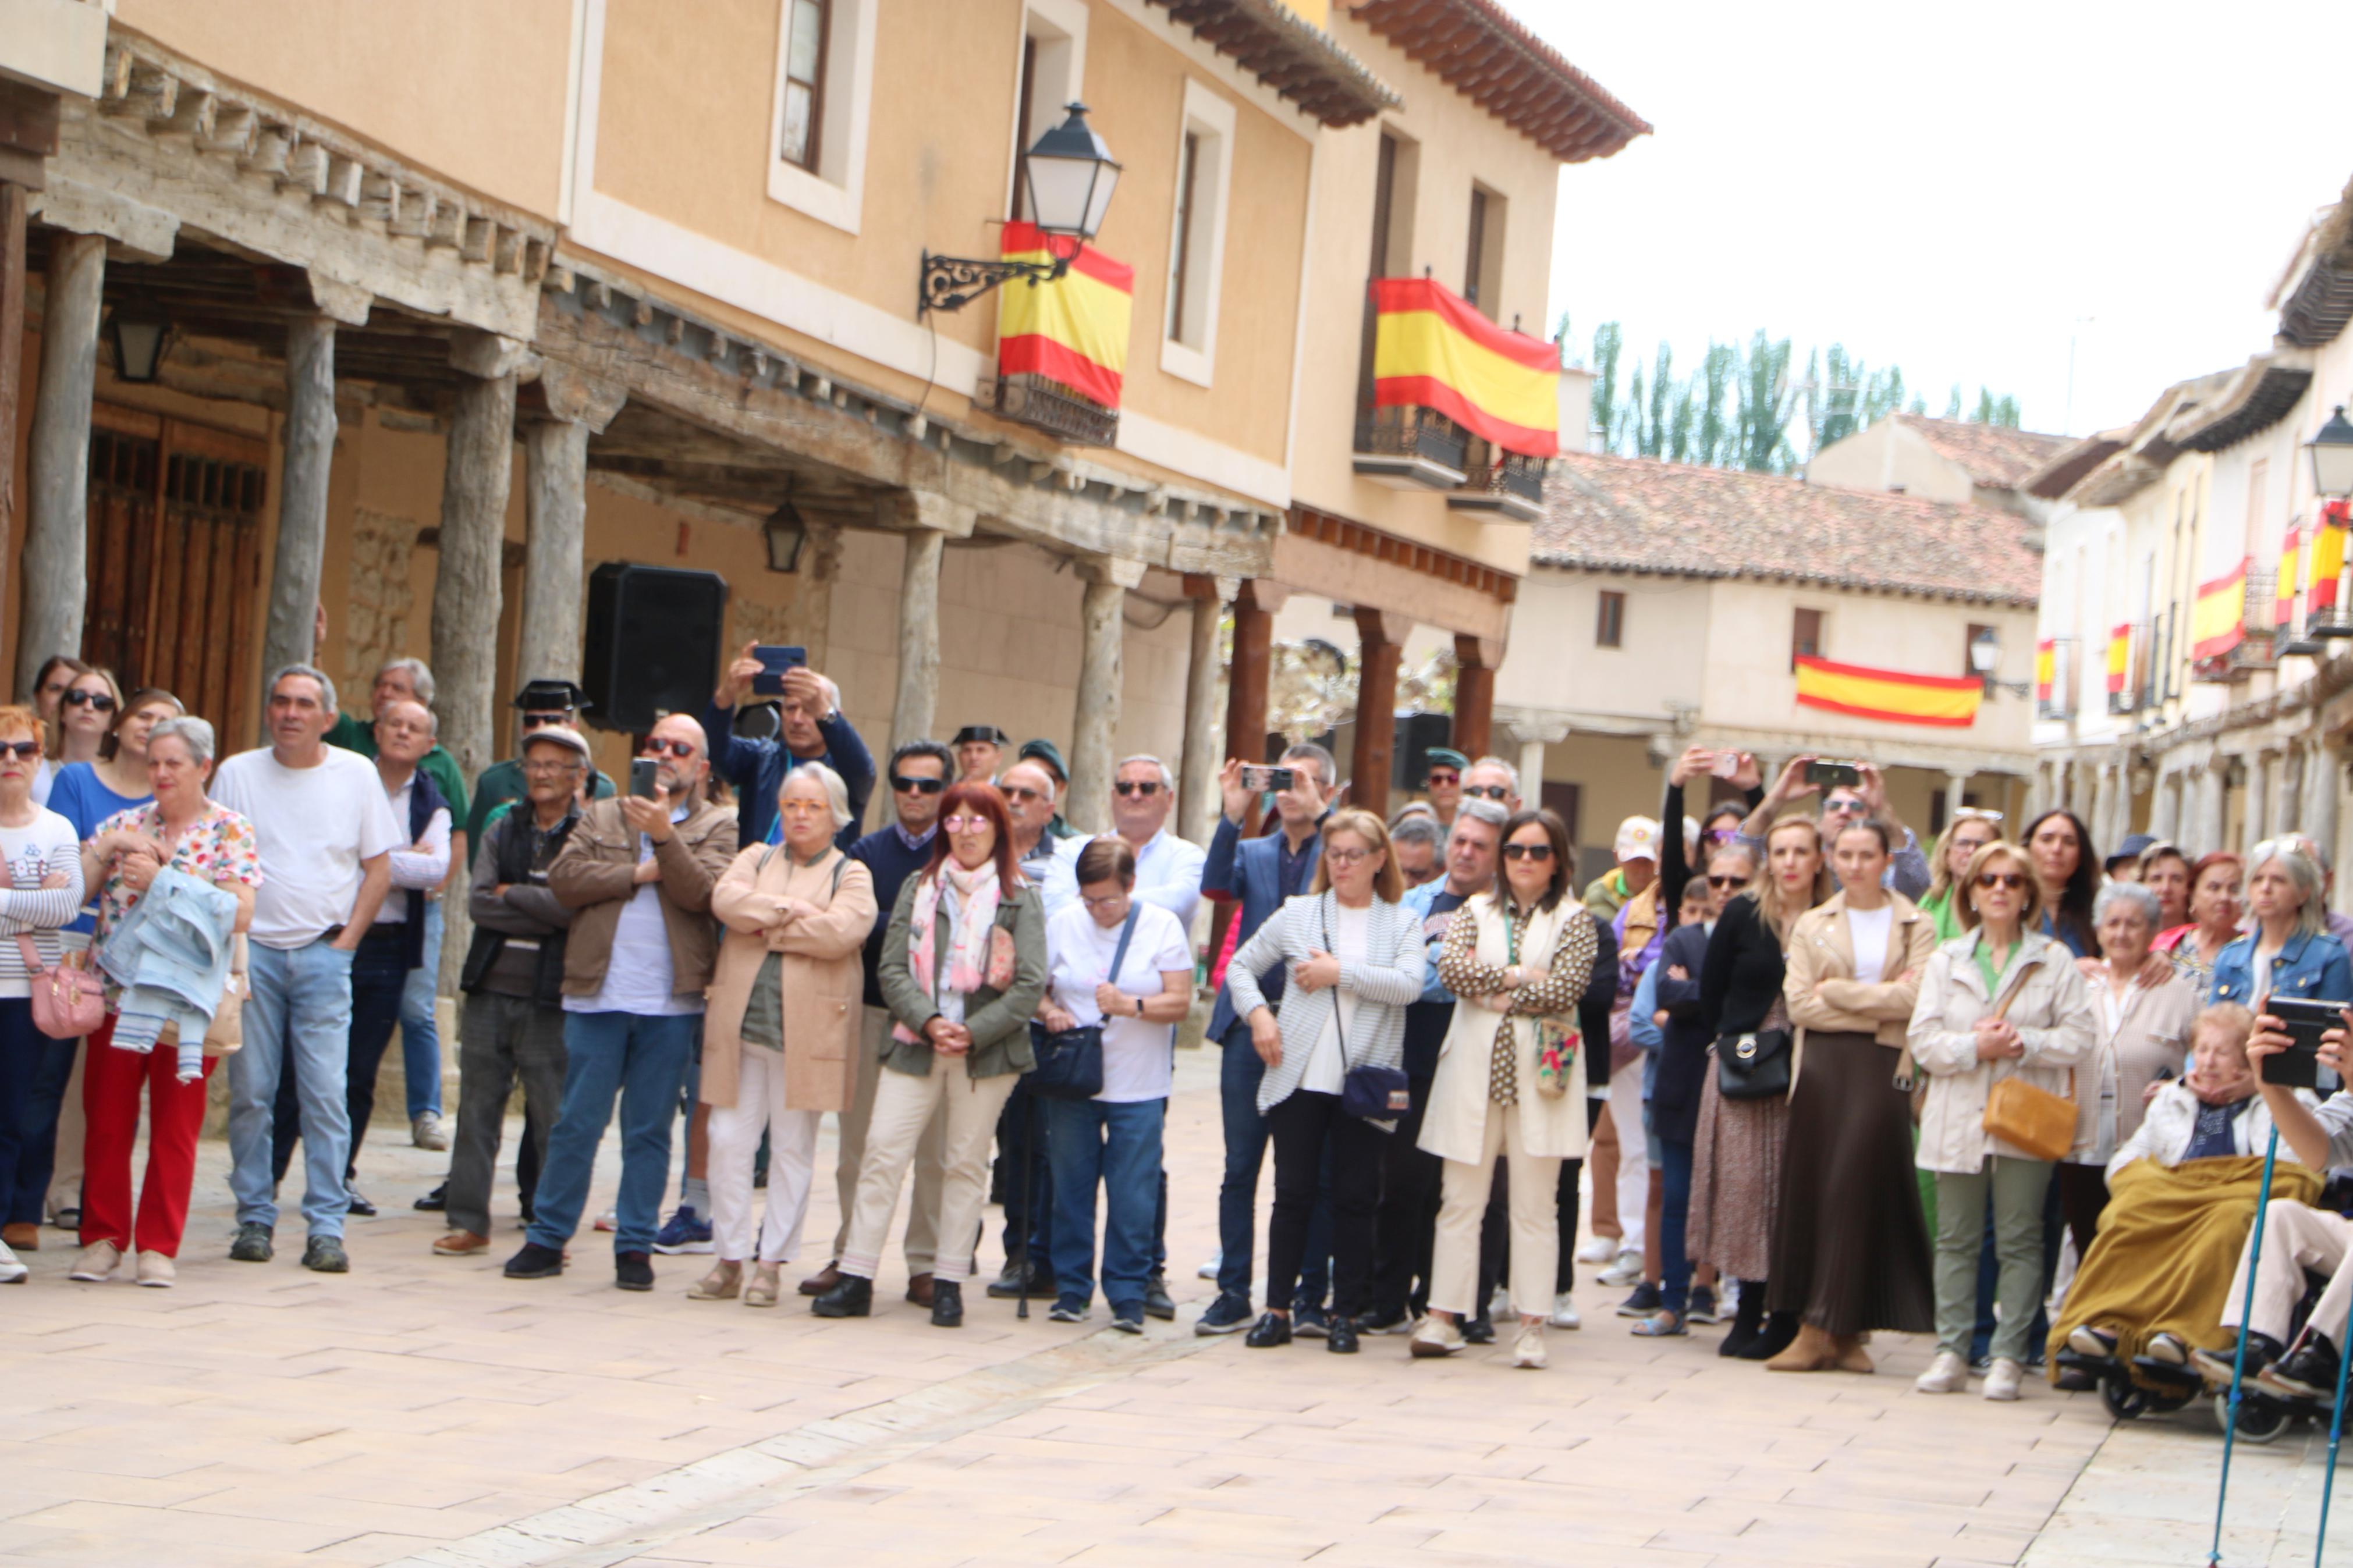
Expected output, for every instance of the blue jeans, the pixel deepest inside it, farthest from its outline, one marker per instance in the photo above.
(1090, 1141)
(33, 1070)
(641, 1061)
(1246, 1137)
(378, 972)
(298, 1018)
(420, 1031)
(1674, 1216)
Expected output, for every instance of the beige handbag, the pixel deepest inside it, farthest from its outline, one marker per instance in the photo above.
(226, 1032)
(2035, 1120)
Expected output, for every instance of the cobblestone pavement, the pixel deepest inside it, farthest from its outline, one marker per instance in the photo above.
(426, 1410)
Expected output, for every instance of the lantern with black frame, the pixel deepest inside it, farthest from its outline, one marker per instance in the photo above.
(1985, 657)
(137, 332)
(1069, 175)
(2332, 476)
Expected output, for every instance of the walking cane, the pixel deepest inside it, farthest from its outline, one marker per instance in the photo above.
(2335, 1431)
(1029, 1196)
(2239, 1358)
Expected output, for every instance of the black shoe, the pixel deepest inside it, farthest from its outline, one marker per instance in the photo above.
(325, 1255)
(633, 1271)
(1009, 1286)
(1342, 1337)
(1747, 1321)
(1226, 1314)
(1779, 1333)
(851, 1298)
(434, 1202)
(356, 1201)
(1644, 1301)
(2214, 1366)
(1271, 1329)
(1480, 1331)
(252, 1244)
(1129, 1318)
(1157, 1302)
(1309, 1323)
(1385, 1320)
(1703, 1306)
(2309, 1370)
(535, 1262)
(947, 1304)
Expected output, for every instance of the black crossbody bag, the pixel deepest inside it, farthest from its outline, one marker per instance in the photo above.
(1070, 1061)
(1369, 1093)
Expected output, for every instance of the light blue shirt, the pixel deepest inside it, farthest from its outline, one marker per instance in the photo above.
(1643, 1032)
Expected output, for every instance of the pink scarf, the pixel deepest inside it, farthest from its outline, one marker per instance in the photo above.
(979, 954)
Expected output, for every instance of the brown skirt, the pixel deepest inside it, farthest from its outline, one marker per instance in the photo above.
(1849, 1251)
(1736, 1179)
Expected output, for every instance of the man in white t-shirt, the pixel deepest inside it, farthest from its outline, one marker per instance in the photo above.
(326, 835)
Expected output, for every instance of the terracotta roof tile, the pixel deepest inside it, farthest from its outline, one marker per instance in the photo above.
(1993, 455)
(1638, 514)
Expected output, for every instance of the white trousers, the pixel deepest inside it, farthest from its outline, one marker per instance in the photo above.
(735, 1146)
(923, 1213)
(2296, 1238)
(1536, 1222)
(1633, 1154)
(903, 1106)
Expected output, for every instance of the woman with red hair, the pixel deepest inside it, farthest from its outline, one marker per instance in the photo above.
(963, 967)
(2214, 915)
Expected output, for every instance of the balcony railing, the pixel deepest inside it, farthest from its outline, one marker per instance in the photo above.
(1411, 448)
(1501, 482)
(1049, 405)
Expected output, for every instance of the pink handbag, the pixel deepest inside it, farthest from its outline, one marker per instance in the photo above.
(68, 1003)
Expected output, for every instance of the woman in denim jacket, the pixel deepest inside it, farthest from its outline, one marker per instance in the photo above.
(2289, 952)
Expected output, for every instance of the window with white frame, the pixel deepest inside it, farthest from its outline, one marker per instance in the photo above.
(1483, 262)
(1051, 74)
(1197, 235)
(824, 97)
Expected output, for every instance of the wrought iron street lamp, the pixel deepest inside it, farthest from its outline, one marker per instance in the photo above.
(136, 333)
(1985, 657)
(1070, 175)
(2332, 456)
(786, 533)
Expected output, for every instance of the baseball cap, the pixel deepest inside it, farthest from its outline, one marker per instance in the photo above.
(1638, 839)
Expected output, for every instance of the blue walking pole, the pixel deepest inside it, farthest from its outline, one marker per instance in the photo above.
(2335, 1431)
(2239, 1356)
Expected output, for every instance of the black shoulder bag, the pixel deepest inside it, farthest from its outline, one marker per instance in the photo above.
(1070, 1061)
(1753, 1064)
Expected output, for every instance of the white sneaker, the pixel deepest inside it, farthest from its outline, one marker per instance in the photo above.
(428, 1132)
(1948, 1373)
(11, 1271)
(1627, 1271)
(1564, 1312)
(1436, 1337)
(2001, 1379)
(1210, 1271)
(609, 1220)
(97, 1263)
(1528, 1350)
(1499, 1304)
(1599, 1250)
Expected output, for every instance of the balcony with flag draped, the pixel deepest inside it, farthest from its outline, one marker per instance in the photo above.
(1061, 346)
(1457, 403)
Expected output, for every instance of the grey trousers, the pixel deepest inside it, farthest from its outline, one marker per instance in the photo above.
(500, 1040)
(2017, 1187)
(931, 1154)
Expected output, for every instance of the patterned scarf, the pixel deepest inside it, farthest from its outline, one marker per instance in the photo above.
(973, 961)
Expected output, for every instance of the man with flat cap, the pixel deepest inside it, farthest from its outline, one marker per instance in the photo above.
(979, 752)
(1049, 756)
(541, 702)
(1442, 782)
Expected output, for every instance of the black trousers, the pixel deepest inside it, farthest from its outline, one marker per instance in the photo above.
(1405, 1226)
(1306, 1126)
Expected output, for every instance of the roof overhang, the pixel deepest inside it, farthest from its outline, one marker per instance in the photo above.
(2067, 467)
(1477, 49)
(2258, 398)
(1290, 54)
(2316, 296)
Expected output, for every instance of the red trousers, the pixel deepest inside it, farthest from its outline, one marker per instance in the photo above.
(175, 1115)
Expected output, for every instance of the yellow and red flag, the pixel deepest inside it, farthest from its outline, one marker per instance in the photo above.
(2291, 553)
(2327, 559)
(1432, 349)
(1072, 331)
(1948, 702)
(2218, 620)
(2046, 667)
(2119, 656)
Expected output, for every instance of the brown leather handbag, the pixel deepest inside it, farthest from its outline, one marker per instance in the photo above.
(2035, 1120)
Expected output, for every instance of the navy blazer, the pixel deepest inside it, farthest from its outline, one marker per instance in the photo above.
(1250, 868)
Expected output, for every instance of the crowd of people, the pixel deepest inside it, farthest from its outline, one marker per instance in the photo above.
(1793, 1044)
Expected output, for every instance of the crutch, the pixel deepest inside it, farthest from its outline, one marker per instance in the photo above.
(1028, 1218)
(2239, 1356)
(2335, 1431)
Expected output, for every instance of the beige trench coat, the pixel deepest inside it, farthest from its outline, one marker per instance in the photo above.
(823, 982)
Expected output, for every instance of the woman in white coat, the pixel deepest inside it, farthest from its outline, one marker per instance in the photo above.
(1511, 1079)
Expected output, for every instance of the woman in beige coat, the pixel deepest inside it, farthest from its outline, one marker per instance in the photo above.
(1850, 1251)
(781, 1026)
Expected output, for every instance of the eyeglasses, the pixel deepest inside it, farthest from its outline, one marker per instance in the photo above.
(97, 701)
(1346, 857)
(1448, 777)
(906, 785)
(681, 750)
(27, 750)
(1527, 851)
(1727, 883)
(1108, 901)
(2013, 881)
(965, 824)
(1490, 792)
(1145, 789)
(1022, 792)
(1719, 836)
(542, 721)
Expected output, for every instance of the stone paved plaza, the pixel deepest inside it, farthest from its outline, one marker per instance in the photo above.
(428, 1410)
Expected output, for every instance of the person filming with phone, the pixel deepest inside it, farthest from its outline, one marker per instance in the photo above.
(1852, 792)
(815, 731)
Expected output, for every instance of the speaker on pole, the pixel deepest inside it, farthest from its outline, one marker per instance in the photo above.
(653, 643)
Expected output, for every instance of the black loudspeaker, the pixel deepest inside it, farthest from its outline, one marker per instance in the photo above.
(653, 643)
(1416, 733)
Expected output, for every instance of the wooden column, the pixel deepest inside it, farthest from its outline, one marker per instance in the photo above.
(1198, 801)
(1380, 645)
(917, 705)
(1094, 720)
(1476, 659)
(12, 362)
(1254, 607)
(294, 569)
(466, 588)
(57, 545)
(555, 495)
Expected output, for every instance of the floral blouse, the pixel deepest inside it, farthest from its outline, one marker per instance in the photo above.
(218, 847)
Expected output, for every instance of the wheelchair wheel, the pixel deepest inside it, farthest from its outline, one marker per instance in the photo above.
(2125, 1399)
(2260, 1420)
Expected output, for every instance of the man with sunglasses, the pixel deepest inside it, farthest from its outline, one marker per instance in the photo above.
(920, 773)
(1168, 868)
(1842, 806)
(636, 874)
(541, 703)
(1442, 782)
(813, 730)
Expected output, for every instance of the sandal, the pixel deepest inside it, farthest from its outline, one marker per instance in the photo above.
(719, 1285)
(767, 1279)
(1661, 1324)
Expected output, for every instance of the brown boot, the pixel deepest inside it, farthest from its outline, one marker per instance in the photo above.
(919, 1289)
(824, 1279)
(1811, 1350)
(1851, 1356)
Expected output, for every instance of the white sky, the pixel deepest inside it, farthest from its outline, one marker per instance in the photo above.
(1948, 188)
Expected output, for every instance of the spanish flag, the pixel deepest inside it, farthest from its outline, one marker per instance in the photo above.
(2328, 560)
(2291, 550)
(1072, 331)
(2218, 621)
(2119, 656)
(2046, 667)
(1947, 701)
(1432, 349)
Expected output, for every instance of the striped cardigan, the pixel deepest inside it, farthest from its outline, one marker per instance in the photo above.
(1395, 964)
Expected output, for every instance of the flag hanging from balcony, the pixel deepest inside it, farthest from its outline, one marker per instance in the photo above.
(1072, 331)
(2218, 621)
(2328, 560)
(1947, 701)
(2046, 667)
(2291, 553)
(1432, 349)
(2119, 656)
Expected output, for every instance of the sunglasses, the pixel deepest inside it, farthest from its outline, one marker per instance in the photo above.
(1146, 789)
(905, 785)
(1728, 883)
(1975, 814)
(2013, 881)
(542, 721)
(1021, 791)
(1527, 851)
(27, 750)
(97, 700)
(1446, 778)
(966, 824)
(681, 750)
(1490, 792)
(1719, 836)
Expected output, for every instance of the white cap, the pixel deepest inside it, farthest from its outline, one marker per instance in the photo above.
(1638, 839)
